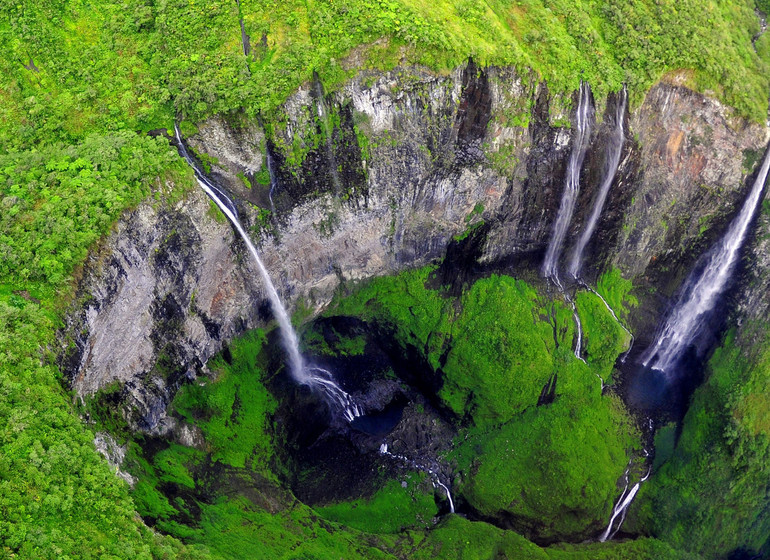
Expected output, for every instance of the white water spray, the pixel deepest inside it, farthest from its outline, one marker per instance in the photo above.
(311, 376)
(550, 268)
(685, 323)
(578, 333)
(614, 149)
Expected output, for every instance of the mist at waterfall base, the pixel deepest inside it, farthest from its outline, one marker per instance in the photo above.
(665, 374)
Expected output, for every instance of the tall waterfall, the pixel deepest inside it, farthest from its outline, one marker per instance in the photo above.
(614, 149)
(687, 320)
(572, 184)
(566, 209)
(314, 377)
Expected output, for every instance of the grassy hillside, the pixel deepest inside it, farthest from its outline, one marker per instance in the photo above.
(58, 497)
(73, 67)
(83, 79)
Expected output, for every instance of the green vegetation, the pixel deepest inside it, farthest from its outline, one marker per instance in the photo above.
(83, 80)
(419, 317)
(58, 497)
(497, 348)
(616, 290)
(553, 468)
(457, 538)
(333, 343)
(604, 339)
(72, 67)
(232, 413)
(59, 200)
(696, 501)
(392, 509)
(224, 496)
(503, 345)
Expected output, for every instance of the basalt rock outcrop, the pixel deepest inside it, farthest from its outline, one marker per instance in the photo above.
(472, 161)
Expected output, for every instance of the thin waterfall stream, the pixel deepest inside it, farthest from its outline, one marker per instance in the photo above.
(314, 377)
(550, 269)
(621, 505)
(432, 472)
(612, 161)
(687, 321)
(582, 135)
(614, 316)
(273, 179)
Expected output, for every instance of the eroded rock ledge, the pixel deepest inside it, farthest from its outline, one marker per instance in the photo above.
(421, 159)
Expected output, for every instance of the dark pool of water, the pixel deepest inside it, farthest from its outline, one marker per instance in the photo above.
(380, 423)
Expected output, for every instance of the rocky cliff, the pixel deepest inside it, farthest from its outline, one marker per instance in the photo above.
(392, 171)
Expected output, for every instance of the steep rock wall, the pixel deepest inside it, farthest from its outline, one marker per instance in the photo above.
(382, 175)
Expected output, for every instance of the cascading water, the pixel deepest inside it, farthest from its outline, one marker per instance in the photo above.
(621, 506)
(578, 332)
(614, 149)
(614, 316)
(273, 180)
(687, 321)
(550, 268)
(314, 377)
(420, 467)
(572, 184)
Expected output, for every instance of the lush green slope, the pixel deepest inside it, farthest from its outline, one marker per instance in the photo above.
(224, 493)
(495, 356)
(711, 496)
(71, 67)
(58, 498)
(93, 74)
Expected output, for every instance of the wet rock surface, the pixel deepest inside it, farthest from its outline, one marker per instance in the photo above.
(332, 460)
(442, 155)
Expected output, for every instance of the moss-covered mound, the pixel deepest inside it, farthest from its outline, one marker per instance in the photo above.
(540, 448)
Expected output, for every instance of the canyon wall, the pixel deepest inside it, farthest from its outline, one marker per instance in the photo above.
(392, 171)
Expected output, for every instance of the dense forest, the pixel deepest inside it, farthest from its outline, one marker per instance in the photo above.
(89, 96)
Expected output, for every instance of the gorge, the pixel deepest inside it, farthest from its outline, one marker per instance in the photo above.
(387, 225)
(337, 280)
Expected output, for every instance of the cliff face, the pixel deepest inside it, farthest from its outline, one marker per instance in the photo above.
(380, 176)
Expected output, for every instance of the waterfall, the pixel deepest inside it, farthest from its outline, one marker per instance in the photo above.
(621, 506)
(314, 377)
(572, 183)
(614, 149)
(273, 179)
(578, 332)
(436, 481)
(701, 291)
(550, 268)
